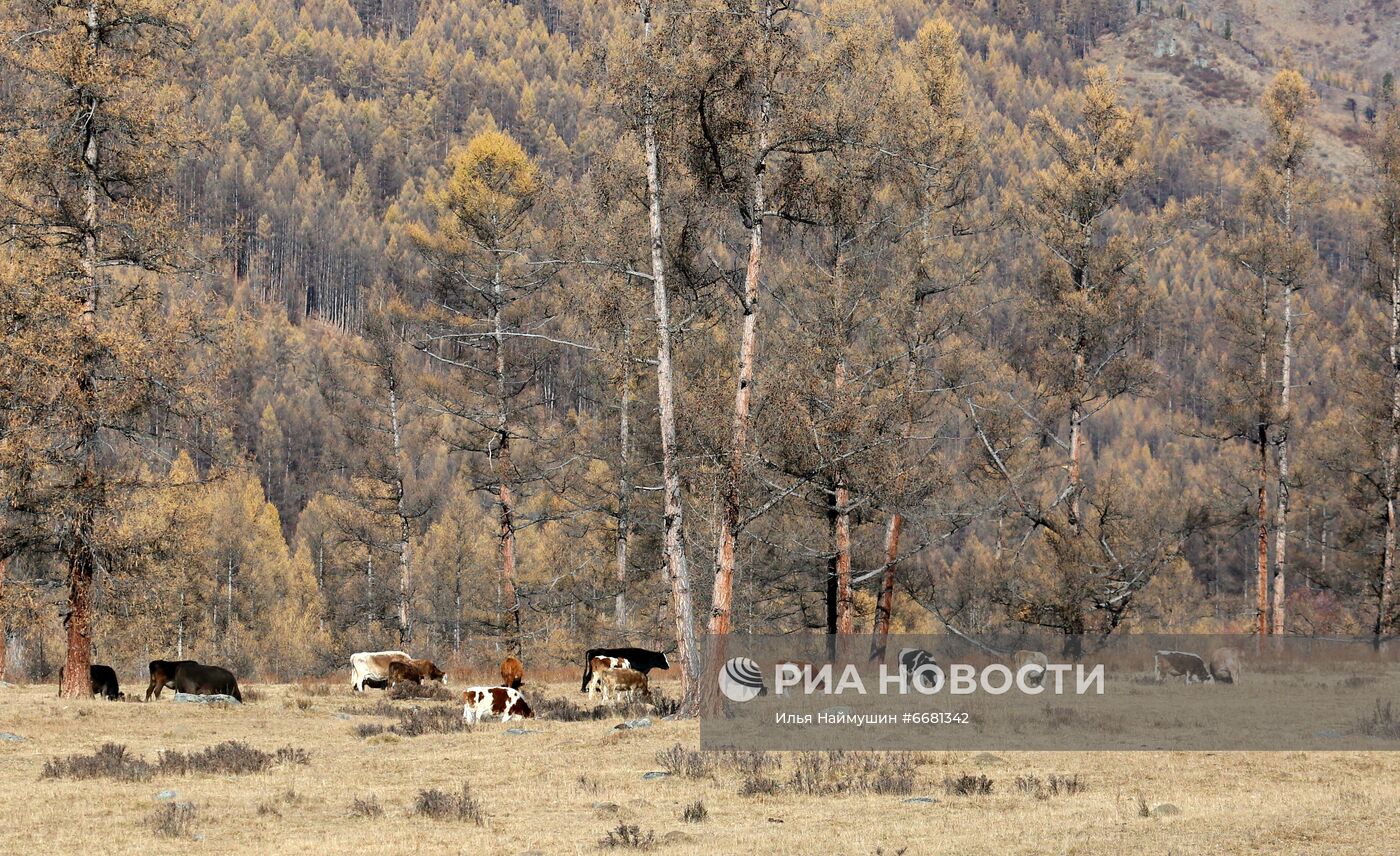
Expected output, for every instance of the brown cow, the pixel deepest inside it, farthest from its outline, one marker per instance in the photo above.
(1225, 665)
(627, 682)
(1183, 664)
(598, 667)
(481, 702)
(371, 668)
(512, 672)
(414, 672)
(163, 675)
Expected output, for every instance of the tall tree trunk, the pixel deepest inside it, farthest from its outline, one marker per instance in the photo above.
(720, 601)
(1392, 461)
(507, 500)
(82, 564)
(624, 490)
(682, 602)
(400, 506)
(4, 623)
(845, 618)
(1262, 594)
(884, 609)
(1285, 425)
(832, 587)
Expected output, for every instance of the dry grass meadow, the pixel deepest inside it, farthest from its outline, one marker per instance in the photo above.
(564, 786)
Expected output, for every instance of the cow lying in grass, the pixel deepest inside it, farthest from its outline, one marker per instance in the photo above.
(480, 703)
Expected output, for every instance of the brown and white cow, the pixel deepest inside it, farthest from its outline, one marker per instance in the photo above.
(1225, 665)
(624, 682)
(1182, 664)
(479, 703)
(414, 672)
(599, 666)
(373, 666)
(512, 672)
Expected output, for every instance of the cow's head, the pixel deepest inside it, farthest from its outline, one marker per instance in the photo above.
(433, 673)
(665, 663)
(521, 708)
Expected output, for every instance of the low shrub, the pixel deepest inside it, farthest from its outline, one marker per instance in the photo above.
(695, 812)
(173, 820)
(679, 761)
(366, 806)
(110, 761)
(441, 805)
(967, 785)
(628, 837)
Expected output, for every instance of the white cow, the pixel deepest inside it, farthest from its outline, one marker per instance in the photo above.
(374, 666)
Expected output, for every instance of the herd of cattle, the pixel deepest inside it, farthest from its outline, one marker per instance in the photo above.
(618, 673)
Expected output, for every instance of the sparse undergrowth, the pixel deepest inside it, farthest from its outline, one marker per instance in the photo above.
(113, 761)
(173, 820)
(441, 805)
(1052, 786)
(968, 785)
(628, 837)
(695, 812)
(431, 691)
(1381, 723)
(366, 806)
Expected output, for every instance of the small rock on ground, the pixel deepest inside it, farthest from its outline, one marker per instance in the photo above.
(655, 774)
(923, 800)
(10, 738)
(986, 758)
(632, 723)
(191, 698)
(166, 794)
(1165, 810)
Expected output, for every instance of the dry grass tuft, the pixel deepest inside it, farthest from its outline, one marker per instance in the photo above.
(172, 820)
(628, 837)
(431, 691)
(438, 719)
(1053, 786)
(824, 773)
(441, 805)
(231, 757)
(110, 761)
(679, 761)
(967, 785)
(695, 812)
(366, 806)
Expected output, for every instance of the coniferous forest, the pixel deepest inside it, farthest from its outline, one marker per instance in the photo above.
(485, 326)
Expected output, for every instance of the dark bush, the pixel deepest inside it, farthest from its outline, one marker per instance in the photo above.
(628, 837)
(822, 773)
(231, 757)
(757, 784)
(1054, 786)
(679, 761)
(110, 761)
(441, 805)
(438, 719)
(368, 729)
(967, 785)
(1381, 723)
(431, 691)
(695, 812)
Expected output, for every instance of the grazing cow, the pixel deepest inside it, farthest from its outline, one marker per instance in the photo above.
(641, 659)
(505, 702)
(625, 682)
(512, 672)
(373, 666)
(1225, 665)
(104, 681)
(198, 679)
(911, 659)
(598, 666)
(1037, 661)
(414, 672)
(163, 674)
(1183, 664)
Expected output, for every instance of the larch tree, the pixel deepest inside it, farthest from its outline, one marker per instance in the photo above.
(1385, 258)
(479, 321)
(1272, 249)
(94, 122)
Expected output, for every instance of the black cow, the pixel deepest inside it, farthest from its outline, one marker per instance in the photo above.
(163, 674)
(198, 679)
(104, 681)
(640, 659)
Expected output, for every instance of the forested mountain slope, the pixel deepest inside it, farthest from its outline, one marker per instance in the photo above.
(912, 364)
